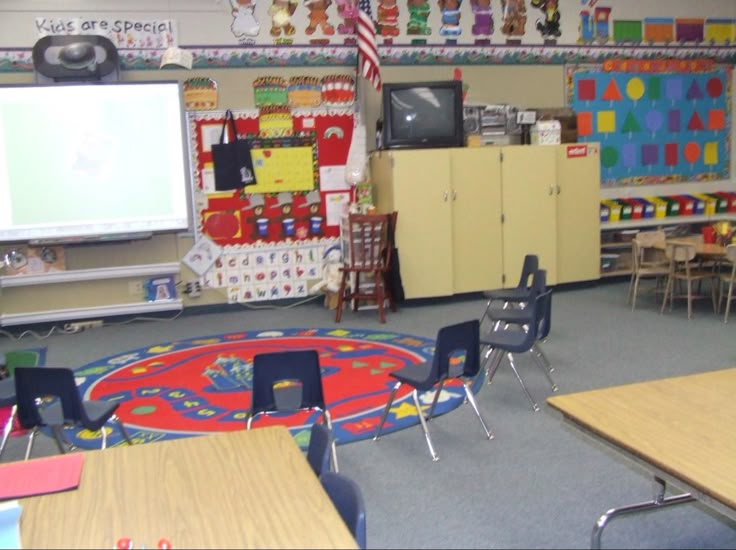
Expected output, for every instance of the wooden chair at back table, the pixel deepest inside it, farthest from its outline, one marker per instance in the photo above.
(684, 269)
(648, 262)
(727, 280)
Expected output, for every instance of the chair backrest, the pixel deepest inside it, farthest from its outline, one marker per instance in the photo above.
(347, 497)
(731, 253)
(368, 241)
(680, 252)
(455, 340)
(530, 266)
(540, 298)
(643, 243)
(272, 368)
(34, 382)
(318, 451)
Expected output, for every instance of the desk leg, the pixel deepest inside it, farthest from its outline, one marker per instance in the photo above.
(660, 501)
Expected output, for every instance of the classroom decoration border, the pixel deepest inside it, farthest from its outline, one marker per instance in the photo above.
(658, 121)
(229, 56)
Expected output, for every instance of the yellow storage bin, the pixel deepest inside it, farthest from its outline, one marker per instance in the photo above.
(660, 206)
(614, 210)
(710, 203)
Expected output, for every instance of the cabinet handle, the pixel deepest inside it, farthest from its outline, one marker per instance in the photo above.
(454, 195)
(551, 190)
(558, 189)
(444, 196)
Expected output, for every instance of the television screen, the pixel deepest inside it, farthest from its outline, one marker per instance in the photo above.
(89, 161)
(426, 114)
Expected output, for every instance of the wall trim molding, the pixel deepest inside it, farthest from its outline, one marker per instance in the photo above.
(226, 57)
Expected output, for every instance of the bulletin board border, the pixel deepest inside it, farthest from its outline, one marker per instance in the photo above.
(228, 56)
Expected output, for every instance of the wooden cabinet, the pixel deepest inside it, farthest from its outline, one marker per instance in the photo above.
(468, 216)
(578, 215)
(529, 209)
(448, 230)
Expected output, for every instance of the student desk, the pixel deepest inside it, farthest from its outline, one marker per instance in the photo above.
(244, 489)
(681, 429)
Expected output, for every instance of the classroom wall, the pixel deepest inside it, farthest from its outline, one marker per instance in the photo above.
(527, 74)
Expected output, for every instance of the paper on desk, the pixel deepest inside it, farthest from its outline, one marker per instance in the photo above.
(10, 524)
(40, 476)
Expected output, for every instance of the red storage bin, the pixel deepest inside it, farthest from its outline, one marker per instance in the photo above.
(637, 208)
(730, 198)
(687, 204)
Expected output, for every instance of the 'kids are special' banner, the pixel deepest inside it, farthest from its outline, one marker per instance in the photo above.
(656, 123)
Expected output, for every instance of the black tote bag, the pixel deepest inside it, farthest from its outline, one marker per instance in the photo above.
(233, 163)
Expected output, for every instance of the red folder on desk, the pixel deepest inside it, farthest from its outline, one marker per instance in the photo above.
(40, 476)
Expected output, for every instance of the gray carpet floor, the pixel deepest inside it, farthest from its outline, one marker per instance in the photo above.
(538, 483)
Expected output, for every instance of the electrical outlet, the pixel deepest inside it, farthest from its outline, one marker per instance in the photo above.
(135, 288)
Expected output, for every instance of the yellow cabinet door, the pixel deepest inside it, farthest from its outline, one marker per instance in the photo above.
(529, 209)
(476, 219)
(578, 216)
(420, 192)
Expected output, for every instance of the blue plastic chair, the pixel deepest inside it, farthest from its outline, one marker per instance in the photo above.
(318, 452)
(452, 340)
(521, 334)
(347, 497)
(276, 368)
(519, 293)
(33, 384)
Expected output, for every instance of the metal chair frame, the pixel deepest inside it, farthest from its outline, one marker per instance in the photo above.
(432, 375)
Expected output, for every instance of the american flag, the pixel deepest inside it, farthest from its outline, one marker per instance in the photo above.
(368, 62)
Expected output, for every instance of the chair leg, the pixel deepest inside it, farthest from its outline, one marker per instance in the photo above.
(333, 445)
(59, 437)
(523, 386)
(341, 297)
(493, 360)
(121, 426)
(544, 369)
(537, 350)
(728, 301)
(386, 409)
(473, 403)
(434, 400)
(379, 296)
(425, 428)
(634, 293)
(8, 428)
(29, 445)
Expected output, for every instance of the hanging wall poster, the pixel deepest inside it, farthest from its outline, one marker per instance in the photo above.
(665, 121)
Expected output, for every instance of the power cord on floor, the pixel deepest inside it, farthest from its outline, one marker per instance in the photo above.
(38, 336)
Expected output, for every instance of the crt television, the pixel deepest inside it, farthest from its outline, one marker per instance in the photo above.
(92, 161)
(423, 114)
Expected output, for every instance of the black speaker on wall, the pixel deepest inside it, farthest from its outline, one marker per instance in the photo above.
(75, 58)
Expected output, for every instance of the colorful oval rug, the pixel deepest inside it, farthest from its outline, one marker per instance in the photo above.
(200, 385)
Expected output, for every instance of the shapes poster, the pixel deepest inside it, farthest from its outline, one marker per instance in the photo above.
(657, 122)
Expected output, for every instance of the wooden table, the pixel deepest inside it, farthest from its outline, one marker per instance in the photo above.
(244, 489)
(705, 250)
(681, 429)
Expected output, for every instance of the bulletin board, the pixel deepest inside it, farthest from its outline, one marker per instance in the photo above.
(663, 121)
(291, 202)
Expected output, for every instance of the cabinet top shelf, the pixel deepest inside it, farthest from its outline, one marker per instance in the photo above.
(674, 220)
